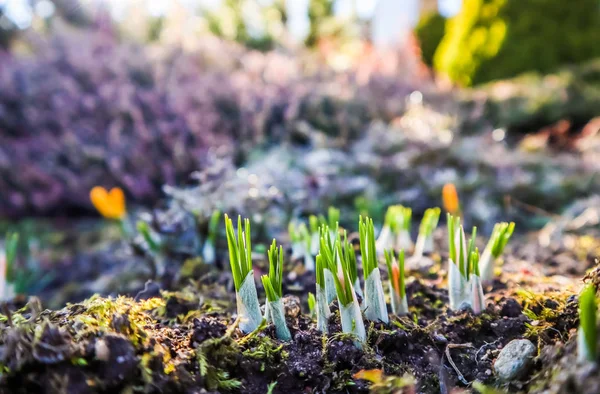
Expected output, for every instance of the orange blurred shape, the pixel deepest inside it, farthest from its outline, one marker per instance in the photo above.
(110, 204)
(372, 375)
(396, 277)
(450, 199)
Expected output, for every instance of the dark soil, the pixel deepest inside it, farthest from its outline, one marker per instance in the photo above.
(187, 341)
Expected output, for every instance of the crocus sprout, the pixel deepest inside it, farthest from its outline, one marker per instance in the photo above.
(450, 199)
(425, 239)
(461, 263)
(401, 227)
(385, 240)
(350, 313)
(273, 284)
(315, 234)
(295, 232)
(329, 261)
(494, 249)
(396, 229)
(312, 303)
(240, 259)
(333, 218)
(7, 266)
(477, 297)
(397, 282)
(350, 256)
(156, 258)
(321, 298)
(306, 240)
(210, 244)
(154, 244)
(587, 339)
(374, 302)
(110, 204)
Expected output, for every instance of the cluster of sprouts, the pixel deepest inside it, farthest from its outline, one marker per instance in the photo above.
(240, 259)
(464, 282)
(273, 284)
(334, 261)
(494, 249)
(338, 258)
(395, 268)
(395, 233)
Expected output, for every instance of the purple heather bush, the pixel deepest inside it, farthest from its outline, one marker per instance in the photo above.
(88, 109)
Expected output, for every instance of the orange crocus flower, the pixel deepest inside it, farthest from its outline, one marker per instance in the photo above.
(110, 204)
(450, 199)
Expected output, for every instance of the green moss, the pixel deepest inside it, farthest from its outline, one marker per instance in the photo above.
(495, 39)
(216, 356)
(542, 317)
(100, 314)
(266, 351)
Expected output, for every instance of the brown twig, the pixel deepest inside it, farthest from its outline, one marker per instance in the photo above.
(449, 357)
(509, 200)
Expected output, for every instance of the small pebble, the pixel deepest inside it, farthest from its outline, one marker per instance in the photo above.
(440, 338)
(291, 305)
(514, 360)
(102, 350)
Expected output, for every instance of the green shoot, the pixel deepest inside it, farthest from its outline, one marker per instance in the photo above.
(396, 272)
(429, 221)
(319, 271)
(452, 224)
(406, 218)
(327, 250)
(240, 250)
(470, 250)
(588, 329)
(312, 302)
(350, 258)
(341, 277)
(428, 224)
(460, 254)
(374, 299)
(273, 283)
(304, 236)
(494, 248)
(462, 264)
(213, 226)
(294, 232)
(313, 224)
(145, 231)
(333, 216)
(12, 242)
(322, 304)
(397, 218)
(367, 245)
(273, 288)
(330, 257)
(474, 262)
(500, 237)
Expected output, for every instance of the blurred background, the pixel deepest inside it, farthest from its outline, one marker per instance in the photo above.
(278, 109)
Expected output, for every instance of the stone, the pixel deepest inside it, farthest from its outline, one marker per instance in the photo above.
(514, 360)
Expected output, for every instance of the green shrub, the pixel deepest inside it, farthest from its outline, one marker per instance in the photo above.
(495, 39)
(430, 31)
